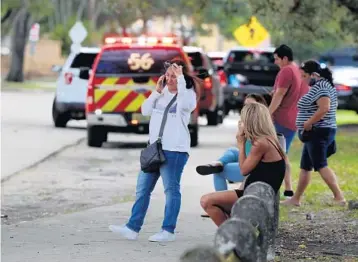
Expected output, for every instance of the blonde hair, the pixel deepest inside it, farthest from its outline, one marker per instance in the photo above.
(258, 124)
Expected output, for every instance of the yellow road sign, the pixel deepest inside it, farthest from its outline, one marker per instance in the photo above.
(251, 34)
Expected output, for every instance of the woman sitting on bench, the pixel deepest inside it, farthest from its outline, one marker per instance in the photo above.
(227, 166)
(265, 162)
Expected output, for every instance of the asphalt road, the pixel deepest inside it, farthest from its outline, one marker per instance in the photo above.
(76, 177)
(27, 133)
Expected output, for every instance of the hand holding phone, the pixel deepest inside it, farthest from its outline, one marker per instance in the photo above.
(160, 84)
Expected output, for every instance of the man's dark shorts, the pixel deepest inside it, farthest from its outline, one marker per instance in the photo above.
(318, 149)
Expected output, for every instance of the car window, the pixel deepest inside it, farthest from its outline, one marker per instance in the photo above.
(196, 59)
(135, 61)
(339, 60)
(208, 63)
(248, 56)
(83, 60)
(217, 61)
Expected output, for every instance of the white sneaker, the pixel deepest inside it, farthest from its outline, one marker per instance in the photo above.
(124, 231)
(162, 236)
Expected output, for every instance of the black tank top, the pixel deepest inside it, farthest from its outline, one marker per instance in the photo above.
(271, 173)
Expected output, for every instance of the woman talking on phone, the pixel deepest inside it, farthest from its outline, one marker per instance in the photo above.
(177, 91)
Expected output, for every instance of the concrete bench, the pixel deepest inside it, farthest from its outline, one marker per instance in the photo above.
(249, 235)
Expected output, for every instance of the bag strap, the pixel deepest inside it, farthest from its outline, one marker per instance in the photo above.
(165, 115)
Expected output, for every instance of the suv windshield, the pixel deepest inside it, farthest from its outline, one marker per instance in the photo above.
(83, 60)
(248, 56)
(135, 61)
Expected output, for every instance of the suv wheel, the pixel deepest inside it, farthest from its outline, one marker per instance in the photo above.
(59, 119)
(221, 115)
(194, 136)
(213, 118)
(96, 136)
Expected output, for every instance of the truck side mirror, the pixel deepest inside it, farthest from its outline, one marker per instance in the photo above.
(203, 73)
(84, 73)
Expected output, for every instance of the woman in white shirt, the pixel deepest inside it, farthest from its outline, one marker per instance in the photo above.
(176, 146)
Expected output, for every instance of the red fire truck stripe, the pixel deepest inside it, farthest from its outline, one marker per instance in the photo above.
(126, 101)
(104, 99)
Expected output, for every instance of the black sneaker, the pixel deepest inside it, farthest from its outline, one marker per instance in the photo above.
(209, 169)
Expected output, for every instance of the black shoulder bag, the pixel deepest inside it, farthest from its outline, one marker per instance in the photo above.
(152, 157)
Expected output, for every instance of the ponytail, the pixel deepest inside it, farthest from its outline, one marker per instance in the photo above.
(327, 74)
(312, 66)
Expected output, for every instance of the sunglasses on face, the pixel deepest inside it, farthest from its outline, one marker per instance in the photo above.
(167, 64)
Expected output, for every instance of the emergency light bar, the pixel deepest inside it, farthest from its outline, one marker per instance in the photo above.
(142, 40)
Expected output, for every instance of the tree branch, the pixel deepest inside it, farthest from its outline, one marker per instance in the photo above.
(352, 6)
(295, 7)
(6, 15)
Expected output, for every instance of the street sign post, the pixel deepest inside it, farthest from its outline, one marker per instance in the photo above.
(78, 34)
(252, 34)
(34, 37)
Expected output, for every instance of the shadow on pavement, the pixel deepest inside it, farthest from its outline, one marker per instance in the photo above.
(76, 127)
(124, 145)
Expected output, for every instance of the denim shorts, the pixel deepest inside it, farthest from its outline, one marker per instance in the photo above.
(316, 151)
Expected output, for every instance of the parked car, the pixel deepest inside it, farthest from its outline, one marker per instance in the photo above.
(212, 96)
(344, 65)
(124, 75)
(70, 97)
(249, 70)
(218, 60)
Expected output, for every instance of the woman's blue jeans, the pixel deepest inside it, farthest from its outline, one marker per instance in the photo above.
(171, 173)
(231, 170)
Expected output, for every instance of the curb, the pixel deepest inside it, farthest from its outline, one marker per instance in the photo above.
(53, 154)
(28, 90)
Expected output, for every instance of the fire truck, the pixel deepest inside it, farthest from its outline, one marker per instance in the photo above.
(123, 75)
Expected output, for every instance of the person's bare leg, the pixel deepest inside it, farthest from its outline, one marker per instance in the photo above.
(330, 179)
(214, 163)
(215, 203)
(303, 182)
(288, 179)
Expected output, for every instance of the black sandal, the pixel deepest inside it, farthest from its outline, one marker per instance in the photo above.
(209, 169)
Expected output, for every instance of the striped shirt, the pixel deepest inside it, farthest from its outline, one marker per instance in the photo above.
(307, 105)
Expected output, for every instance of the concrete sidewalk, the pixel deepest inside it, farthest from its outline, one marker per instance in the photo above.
(84, 236)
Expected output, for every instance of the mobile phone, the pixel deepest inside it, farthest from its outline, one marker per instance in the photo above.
(164, 83)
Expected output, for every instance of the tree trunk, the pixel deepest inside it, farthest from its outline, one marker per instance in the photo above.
(18, 42)
(81, 9)
(145, 25)
(91, 6)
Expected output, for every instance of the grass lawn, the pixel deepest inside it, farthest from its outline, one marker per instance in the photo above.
(331, 224)
(345, 117)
